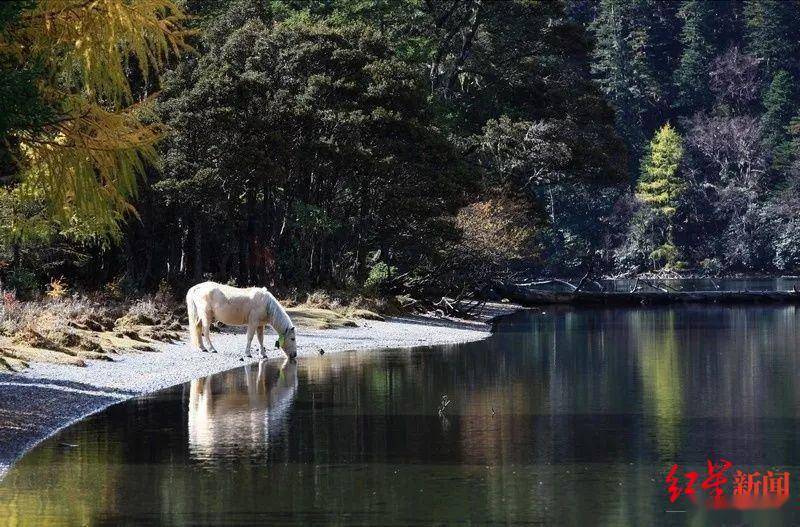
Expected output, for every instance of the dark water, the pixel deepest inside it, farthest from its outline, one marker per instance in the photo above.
(563, 417)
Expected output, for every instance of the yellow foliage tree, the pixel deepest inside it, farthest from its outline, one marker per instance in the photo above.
(86, 159)
(661, 185)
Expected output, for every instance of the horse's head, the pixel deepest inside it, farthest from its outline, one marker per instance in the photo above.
(288, 343)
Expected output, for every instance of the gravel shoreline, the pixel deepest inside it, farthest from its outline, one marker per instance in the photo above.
(36, 403)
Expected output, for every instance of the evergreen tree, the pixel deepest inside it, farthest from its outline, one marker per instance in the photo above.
(770, 33)
(622, 65)
(691, 77)
(282, 155)
(779, 107)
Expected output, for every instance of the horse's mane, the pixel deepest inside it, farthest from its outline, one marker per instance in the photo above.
(279, 318)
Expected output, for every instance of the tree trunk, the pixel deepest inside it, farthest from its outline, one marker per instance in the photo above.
(198, 250)
(361, 251)
(250, 233)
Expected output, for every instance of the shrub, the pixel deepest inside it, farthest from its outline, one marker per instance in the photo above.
(379, 273)
(57, 288)
(24, 282)
(787, 248)
(711, 266)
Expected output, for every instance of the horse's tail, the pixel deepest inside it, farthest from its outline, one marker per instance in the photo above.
(194, 320)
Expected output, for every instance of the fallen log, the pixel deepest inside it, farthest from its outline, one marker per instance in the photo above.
(527, 296)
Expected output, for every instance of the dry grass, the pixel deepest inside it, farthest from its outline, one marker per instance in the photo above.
(70, 330)
(331, 310)
(317, 318)
(352, 305)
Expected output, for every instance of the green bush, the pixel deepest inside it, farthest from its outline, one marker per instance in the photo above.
(711, 266)
(378, 274)
(24, 282)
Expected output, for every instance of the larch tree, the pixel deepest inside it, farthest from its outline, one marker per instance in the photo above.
(660, 184)
(84, 142)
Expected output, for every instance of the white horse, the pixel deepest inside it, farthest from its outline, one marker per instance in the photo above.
(253, 307)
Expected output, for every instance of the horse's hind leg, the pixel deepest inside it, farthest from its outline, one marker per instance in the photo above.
(207, 320)
(250, 330)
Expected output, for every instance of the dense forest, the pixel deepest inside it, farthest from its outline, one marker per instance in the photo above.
(431, 146)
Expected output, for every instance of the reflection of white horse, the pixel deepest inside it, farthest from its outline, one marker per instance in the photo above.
(237, 413)
(254, 307)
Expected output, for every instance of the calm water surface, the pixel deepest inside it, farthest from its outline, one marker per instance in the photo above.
(568, 416)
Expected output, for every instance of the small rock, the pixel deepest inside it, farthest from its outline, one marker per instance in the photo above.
(321, 351)
(90, 345)
(69, 339)
(132, 335)
(106, 322)
(77, 325)
(93, 325)
(145, 320)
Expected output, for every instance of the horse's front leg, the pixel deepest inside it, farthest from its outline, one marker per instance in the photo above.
(260, 334)
(251, 329)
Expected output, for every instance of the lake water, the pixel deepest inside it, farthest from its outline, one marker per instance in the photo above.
(567, 416)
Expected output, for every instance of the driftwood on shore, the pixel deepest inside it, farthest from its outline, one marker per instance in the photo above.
(526, 296)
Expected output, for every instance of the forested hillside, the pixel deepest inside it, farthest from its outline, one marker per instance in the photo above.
(705, 96)
(424, 145)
